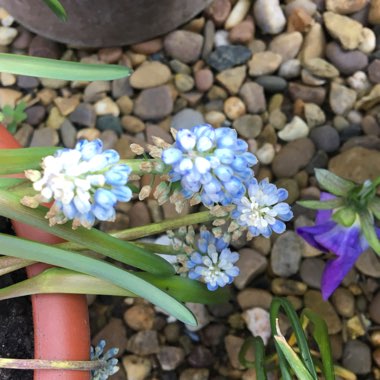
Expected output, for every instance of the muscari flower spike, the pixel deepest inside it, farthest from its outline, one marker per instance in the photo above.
(108, 360)
(213, 262)
(85, 183)
(213, 163)
(262, 210)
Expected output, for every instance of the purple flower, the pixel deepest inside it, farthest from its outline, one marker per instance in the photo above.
(347, 243)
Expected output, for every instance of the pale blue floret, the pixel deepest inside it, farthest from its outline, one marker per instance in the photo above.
(213, 263)
(85, 184)
(263, 210)
(212, 162)
(108, 361)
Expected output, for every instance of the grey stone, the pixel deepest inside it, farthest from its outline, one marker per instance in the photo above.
(187, 118)
(357, 357)
(224, 57)
(311, 272)
(109, 122)
(325, 138)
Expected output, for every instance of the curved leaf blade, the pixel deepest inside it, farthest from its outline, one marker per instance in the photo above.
(64, 70)
(75, 261)
(57, 8)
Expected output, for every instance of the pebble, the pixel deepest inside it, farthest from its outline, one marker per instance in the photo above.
(170, 357)
(290, 69)
(183, 45)
(132, 124)
(248, 126)
(286, 287)
(251, 297)
(313, 300)
(136, 367)
(347, 62)
(359, 82)
(286, 254)
(272, 83)
(293, 157)
(9, 97)
(225, 57)
(200, 357)
(7, 35)
(311, 272)
(150, 74)
(258, 323)
(266, 154)
(263, 63)
(253, 97)
(140, 317)
(24, 134)
(314, 115)
(368, 42)
(357, 357)
(109, 122)
(125, 104)
(55, 119)
(96, 90)
(310, 79)
(242, 33)
(144, 343)
(218, 11)
(154, 103)
(68, 134)
(296, 129)
(325, 138)
(251, 264)
(66, 105)
(306, 5)
(307, 94)
(373, 71)
(342, 98)
(277, 119)
(234, 107)
(232, 79)
(221, 38)
(201, 314)
(314, 43)
(7, 79)
(204, 79)
(110, 55)
(88, 134)
(106, 106)
(374, 12)
(374, 308)
(121, 87)
(292, 188)
(233, 345)
(269, 16)
(195, 374)
(321, 68)
(356, 164)
(368, 263)
(35, 115)
(344, 302)
(84, 115)
(215, 118)
(183, 82)
(187, 118)
(287, 45)
(344, 7)
(346, 30)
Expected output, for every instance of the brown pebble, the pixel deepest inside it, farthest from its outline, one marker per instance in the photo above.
(242, 33)
(218, 11)
(203, 79)
(110, 55)
(299, 20)
(140, 317)
(234, 107)
(132, 124)
(148, 47)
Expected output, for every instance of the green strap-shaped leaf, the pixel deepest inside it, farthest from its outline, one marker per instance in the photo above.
(276, 305)
(93, 239)
(259, 364)
(75, 261)
(320, 335)
(322, 205)
(9, 264)
(374, 206)
(368, 227)
(17, 160)
(59, 280)
(334, 184)
(55, 69)
(57, 8)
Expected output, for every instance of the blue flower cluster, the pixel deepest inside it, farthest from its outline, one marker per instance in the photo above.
(107, 360)
(263, 210)
(85, 184)
(212, 162)
(213, 262)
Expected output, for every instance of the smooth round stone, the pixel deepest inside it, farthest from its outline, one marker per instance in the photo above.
(272, 83)
(225, 57)
(314, 115)
(187, 118)
(204, 79)
(287, 45)
(234, 108)
(27, 83)
(296, 129)
(7, 35)
(132, 124)
(286, 287)
(266, 154)
(183, 82)
(344, 302)
(277, 119)
(325, 138)
(109, 122)
(269, 16)
(311, 272)
(253, 97)
(290, 69)
(374, 71)
(357, 357)
(150, 74)
(183, 45)
(35, 115)
(248, 126)
(264, 63)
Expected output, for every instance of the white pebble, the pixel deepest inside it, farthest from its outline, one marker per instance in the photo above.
(258, 323)
(265, 154)
(221, 38)
(238, 13)
(269, 16)
(359, 82)
(296, 129)
(290, 69)
(368, 43)
(7, 35)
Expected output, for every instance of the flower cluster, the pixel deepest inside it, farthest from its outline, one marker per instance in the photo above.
(84, 183)
(213, 262)
(262, 210)
(213, 163)
(109, 362)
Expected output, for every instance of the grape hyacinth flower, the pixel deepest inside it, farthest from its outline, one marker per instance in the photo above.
(213, 262)
(347, 243)
(84, 183)
(213, 163)
(262, 210)
(108, 360)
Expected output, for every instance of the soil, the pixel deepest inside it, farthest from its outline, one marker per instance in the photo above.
(16, 324)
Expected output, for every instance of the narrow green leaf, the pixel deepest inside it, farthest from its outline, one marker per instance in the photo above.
(30, 250)
(374, 206)
(259, 364)
(322, 205)
(331, 182)
(367, 224)
(9, 264)
(59, 280)
(93, 239)
(6, 183)
(321, 336)
(57, 8)
(276, 305)
(55, 69)
(17, 160)
(294, 361)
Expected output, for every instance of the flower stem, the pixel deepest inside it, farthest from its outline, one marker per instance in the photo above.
(51, 364)
(146, 166)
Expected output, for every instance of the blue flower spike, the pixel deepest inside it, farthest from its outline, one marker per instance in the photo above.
(212, 163)
(213, 262)
(84, 184)
(262, 211)
(108, 360)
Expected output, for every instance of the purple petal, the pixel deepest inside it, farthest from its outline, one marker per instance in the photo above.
(324, 215)
(309, 234)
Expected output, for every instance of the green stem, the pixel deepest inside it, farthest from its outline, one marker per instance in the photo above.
(51, 364)
(137, 166)
(9, 264)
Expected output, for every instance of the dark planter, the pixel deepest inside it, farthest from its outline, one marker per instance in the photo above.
(101, 23)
